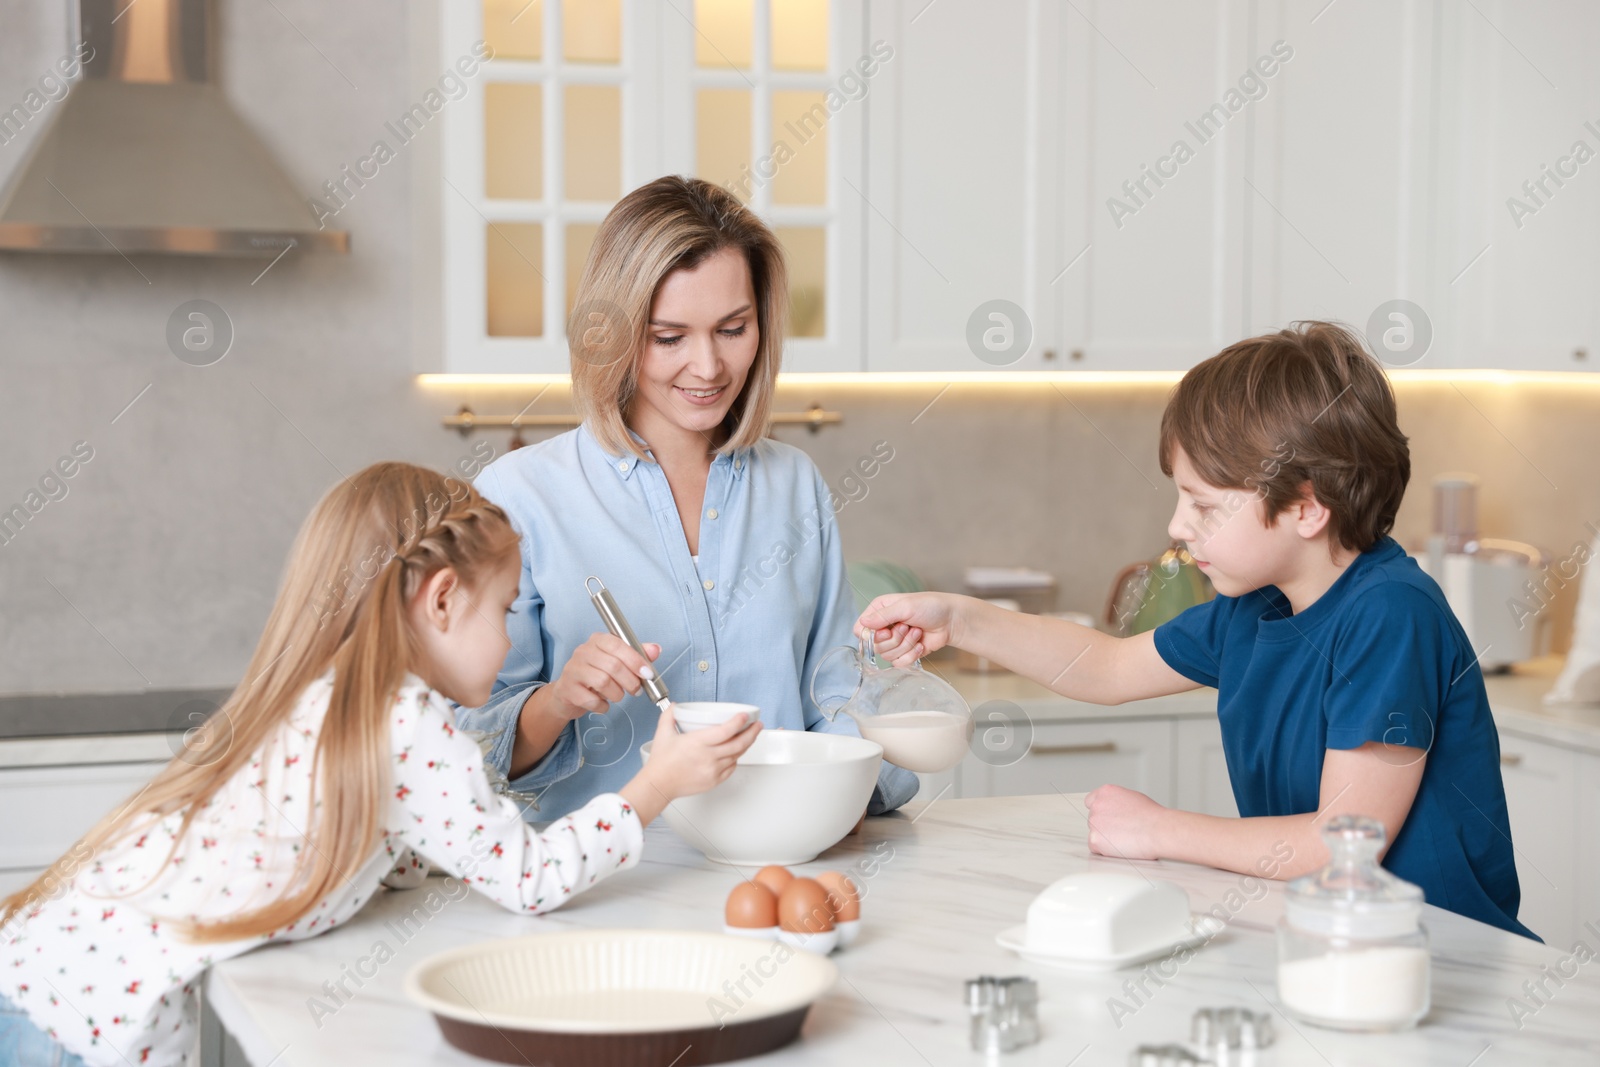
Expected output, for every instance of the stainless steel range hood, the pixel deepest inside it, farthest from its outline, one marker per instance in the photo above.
(145, 155)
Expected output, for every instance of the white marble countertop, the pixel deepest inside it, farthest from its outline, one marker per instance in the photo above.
(947, 875)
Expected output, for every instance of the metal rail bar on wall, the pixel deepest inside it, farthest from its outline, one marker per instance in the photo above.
(466, 420)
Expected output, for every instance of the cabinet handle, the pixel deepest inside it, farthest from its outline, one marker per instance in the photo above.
(1510, 759)
(1073, 750)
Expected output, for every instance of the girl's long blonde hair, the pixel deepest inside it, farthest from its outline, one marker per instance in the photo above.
(666, 225)
(366, 548)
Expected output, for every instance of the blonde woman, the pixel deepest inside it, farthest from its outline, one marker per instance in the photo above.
(334, 760)
(719, 543)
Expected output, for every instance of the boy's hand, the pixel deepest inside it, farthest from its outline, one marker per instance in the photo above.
(907, 626)
(1123, 823)
(683, 764)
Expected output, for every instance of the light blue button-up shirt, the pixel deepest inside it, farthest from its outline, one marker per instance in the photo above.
(768, 600)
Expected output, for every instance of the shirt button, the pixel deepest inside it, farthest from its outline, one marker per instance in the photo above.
(623, 466)
(738, 464)
(704, 665)
(709, 584)
(712, 513)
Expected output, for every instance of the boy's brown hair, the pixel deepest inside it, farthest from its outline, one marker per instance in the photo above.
(1304, 405)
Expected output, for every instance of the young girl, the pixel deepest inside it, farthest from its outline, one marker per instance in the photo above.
(336, 756)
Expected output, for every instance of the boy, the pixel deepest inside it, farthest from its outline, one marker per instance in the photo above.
(1344, 683)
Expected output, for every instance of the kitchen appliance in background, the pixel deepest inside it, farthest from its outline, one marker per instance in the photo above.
(1034, 591)
(1144, 595)
(1483, 578)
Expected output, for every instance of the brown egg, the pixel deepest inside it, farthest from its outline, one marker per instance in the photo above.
(843, 896)
(803, 908)
(774, 878)
(751, 906)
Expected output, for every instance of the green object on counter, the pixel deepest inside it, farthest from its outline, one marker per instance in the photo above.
(872, 578)
(1176, 584)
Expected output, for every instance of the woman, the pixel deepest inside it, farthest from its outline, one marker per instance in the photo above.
(719, 544)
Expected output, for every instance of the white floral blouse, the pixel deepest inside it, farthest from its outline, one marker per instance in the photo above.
(98, 967)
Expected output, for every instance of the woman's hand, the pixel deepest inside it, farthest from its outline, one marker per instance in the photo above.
(681, 765)
(1123, 823)
(601, 672)
(907, 626)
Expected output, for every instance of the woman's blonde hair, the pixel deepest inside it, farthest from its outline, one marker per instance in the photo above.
(366, 548)
(670, 224)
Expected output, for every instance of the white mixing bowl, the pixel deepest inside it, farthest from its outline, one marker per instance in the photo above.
(794, 794)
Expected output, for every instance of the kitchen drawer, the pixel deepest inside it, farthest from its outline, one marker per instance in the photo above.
(1201, 770)
(1077, 757)
(51, 807)
(1541, 789)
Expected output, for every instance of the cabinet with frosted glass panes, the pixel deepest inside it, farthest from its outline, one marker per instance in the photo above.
(583, 101)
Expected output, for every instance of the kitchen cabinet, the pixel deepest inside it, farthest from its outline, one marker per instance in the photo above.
(577, 104)
(61, 803)
(1518, 215)
(1078, 756)
(1336, 192)
(1135, 185)
(953, 180)
(1587, 906)
(1200, 769)
(1149, 183)
(1541, 780)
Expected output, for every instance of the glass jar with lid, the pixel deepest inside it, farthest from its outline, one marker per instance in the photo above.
(1352, 951)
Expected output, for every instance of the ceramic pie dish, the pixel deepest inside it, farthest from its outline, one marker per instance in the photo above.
(598, 998)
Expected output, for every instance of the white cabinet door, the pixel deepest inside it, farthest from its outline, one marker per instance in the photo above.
(1520, 211)
(1337, 194)
(1146, 271)
(1077, 757)
(51, 807)
(1200, 770)
(952, 191)
(1541, 794)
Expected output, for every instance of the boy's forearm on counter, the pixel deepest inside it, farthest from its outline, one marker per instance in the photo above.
(1277, 846)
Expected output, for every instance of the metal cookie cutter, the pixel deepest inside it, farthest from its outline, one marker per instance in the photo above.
(1005, 1012)
(1221, 1029)
(1162, 1056)
(1220, 1036)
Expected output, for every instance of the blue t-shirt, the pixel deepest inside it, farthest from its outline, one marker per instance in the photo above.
(1378, 657)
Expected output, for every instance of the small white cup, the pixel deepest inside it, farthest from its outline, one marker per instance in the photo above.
(702, 714)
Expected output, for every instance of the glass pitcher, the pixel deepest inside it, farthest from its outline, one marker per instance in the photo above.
(918, 718)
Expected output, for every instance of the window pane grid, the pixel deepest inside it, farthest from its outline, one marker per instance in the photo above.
(573, 61)
(788, 171)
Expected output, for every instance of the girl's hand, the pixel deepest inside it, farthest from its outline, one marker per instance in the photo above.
(601, 672)
(1123, 823)
(907, 626)
(681, 765)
